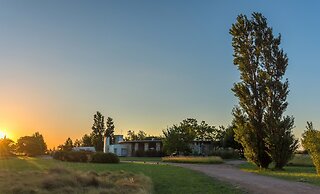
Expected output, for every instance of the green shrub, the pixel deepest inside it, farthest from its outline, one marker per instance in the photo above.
(301, 160)
(72, 156)
(193, 159)
(226, 153)
(149, 153)
(311, 142)
(100, 157)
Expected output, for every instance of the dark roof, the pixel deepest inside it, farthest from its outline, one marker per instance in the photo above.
(142, 141)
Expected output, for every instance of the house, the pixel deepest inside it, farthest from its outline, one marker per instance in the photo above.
(131, 148)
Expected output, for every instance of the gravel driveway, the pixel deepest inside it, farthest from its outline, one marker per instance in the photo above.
(250, 182)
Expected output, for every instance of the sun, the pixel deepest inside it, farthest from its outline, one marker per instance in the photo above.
(2, 134)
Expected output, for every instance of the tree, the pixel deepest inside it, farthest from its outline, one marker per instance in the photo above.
(132, 136)
(77, 143)
(110, 129)
(227, 138)
(98, 130)
(141, 135)
(177, 139)
(261, 128)
(205, 132)
(311, 142)
(86, 141)
(67, 146)
(6, 147)
(32, 145)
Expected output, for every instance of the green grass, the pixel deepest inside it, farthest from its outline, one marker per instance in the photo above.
(192, 159)
(301, 160)
(292, 173)
(165, 178)
(141, 159)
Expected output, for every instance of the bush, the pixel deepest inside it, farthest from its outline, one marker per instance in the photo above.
(194, 159)
(72, 156)
(149, 153)
(301, 160)
(100, 157)
(226, 153)
(311, 142)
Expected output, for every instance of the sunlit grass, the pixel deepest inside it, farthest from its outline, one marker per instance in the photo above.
(63, 181)
(293, 173)
(193, 159)
(165, 178)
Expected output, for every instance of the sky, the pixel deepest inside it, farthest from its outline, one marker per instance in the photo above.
(146, 64)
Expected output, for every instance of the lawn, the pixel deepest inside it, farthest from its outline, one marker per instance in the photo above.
(293, 173)
(165, 178)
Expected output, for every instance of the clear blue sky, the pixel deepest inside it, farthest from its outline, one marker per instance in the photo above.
(147, 64)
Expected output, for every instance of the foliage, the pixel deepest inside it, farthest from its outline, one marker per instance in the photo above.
(64, 181)
(193, 159)
(98, 130)
(132, 136)
(149, 153)
(86, 141)
(260, 127)
(100, 157)
(77, 143)
(311, 142)
(32, 145)
(6, 147)
(228, 138)
(226, 153)
(110, 129)
(67, 146)
(177, 139)
(72, 156)
(301, 160)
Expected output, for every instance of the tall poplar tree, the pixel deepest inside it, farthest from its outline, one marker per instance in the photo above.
(261, 128)
(110, 129)
(98, 130)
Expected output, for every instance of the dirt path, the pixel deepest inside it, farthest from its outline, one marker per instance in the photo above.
(250, 182)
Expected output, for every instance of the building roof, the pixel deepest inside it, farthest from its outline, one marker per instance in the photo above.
(142, 141)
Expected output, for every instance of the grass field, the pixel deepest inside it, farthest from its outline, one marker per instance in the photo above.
(294, 173)
(165, 178)
(192, 159)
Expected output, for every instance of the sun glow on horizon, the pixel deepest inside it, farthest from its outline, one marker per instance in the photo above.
(2, 134)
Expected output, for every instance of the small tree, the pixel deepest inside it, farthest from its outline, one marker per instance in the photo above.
(67, 146)
(32, 145)
(311, 142)
(86, 141)
(98, 130)
(177, 139)
(110, 129)
(131, 135)
(6, 147)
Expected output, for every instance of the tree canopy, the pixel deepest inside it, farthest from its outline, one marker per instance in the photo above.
(260, 126)
(32, 145)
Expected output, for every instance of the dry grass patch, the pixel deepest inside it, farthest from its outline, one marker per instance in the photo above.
(63, 181)
(194, 159)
